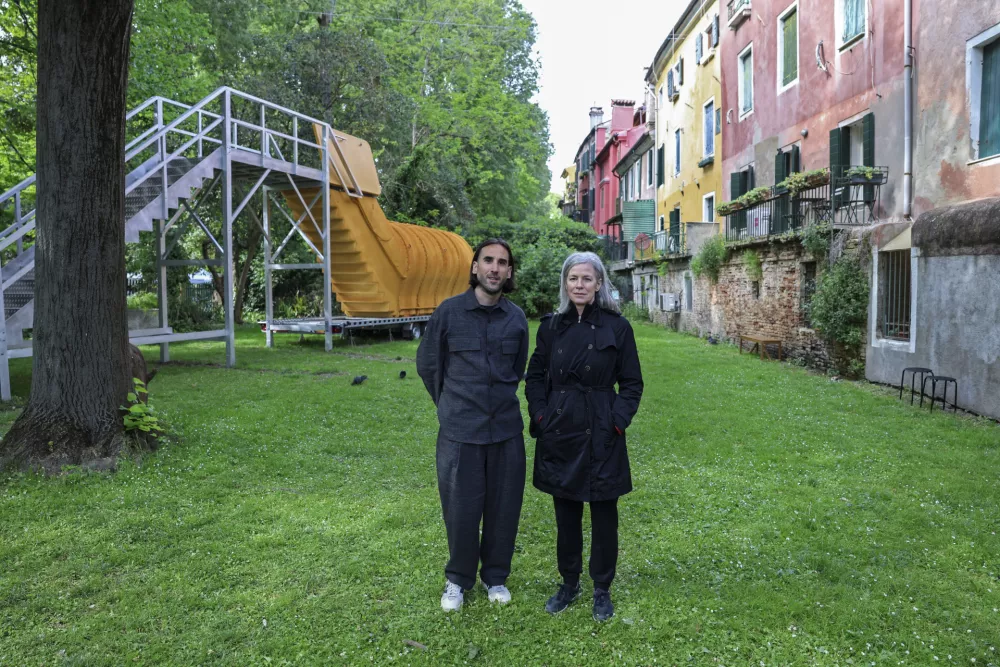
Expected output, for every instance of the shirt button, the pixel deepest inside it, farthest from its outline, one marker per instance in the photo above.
(560, 371)
(559, 411)
(560, 350)
(592, 326)
(586, 368)
(590, 347)
(558, 431)
(562, 391)
(588, 431)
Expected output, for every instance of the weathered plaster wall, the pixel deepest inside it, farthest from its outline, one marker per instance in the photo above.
(943, 142)
(957, 330)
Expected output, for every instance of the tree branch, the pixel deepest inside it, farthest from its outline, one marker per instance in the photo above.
(17, 152)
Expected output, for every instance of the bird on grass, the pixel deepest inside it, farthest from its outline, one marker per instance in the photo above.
(358, 379)
(402, 375)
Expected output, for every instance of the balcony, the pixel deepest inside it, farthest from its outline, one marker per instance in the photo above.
(739, 11)
(852, 200)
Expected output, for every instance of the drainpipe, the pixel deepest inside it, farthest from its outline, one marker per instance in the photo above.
(907, 108)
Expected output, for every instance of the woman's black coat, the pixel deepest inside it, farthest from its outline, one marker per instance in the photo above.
(576, 415)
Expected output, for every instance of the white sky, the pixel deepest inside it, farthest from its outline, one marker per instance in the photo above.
(592, 51)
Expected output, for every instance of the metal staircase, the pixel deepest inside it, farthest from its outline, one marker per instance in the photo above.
(177, 153)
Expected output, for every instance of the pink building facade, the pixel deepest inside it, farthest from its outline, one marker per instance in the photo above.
(820, 80)
(597, 184)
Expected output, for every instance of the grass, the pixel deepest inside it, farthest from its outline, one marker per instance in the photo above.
(779, 518)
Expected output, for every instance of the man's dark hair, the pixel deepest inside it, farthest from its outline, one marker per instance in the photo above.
(508, 285)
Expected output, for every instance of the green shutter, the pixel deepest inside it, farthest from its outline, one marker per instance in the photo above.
(796, 160)
(779, 167)
(751, 180)
(989, 118)
(735, 180)
(868, 151)
(790, 47)
(659, 165)
(840, 146)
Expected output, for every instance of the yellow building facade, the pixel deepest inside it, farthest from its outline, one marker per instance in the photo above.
(685, 89)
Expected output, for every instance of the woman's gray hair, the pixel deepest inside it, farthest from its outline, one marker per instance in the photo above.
(603, 297)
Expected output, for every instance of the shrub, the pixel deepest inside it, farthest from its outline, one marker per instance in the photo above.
(709, 260)
(751, 260)
(839, 309)
(633, 312)
(816, 240)
(142, 301)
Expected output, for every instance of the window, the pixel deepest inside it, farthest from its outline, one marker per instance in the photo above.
(659, 165)
(708, 208)
(709, 117)
(788, 48)
(677, 152)
(852, 21)
(687, 293)
(698, 48)
(602, 197)
(745, 82)
(808, 289)
(982, 57)
(755, 289)
(661, 223)
(670, 84)
(894, 294)
(649, 167)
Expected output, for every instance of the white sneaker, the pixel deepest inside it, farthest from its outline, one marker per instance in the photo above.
(497, 594)
(451, 599)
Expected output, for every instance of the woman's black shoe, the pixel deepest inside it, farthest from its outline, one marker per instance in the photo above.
(562, 599)
(603, 609)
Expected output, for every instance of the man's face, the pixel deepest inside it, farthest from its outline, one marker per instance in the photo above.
(492, 268)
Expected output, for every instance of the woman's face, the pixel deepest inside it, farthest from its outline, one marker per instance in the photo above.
(582, 284)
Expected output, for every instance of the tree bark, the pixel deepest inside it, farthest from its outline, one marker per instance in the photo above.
(80, 370)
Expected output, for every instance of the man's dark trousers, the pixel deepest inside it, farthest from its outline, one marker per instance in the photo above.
(480, 482)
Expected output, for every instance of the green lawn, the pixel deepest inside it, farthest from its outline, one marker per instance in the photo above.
(779, 518)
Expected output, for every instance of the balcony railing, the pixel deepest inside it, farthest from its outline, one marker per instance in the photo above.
(779, 212)
(672, 241)
(739, 10)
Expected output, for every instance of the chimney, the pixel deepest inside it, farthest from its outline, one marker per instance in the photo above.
(621, 114)
(596, 116)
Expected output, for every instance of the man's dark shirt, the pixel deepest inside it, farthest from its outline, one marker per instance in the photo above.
(471, 359)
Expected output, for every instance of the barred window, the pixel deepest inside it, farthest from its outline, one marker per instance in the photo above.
(894, 294)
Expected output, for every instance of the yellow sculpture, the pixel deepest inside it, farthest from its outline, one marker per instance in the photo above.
(380, 268)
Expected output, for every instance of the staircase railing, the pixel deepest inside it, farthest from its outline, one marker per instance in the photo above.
(24, 221)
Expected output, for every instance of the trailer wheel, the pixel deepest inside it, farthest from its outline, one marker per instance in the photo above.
(416, 330)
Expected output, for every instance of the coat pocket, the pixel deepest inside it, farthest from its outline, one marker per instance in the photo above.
(465, 357)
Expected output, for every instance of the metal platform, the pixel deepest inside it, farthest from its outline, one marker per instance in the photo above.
(340, 326)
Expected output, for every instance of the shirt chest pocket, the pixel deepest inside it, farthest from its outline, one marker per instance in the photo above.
(510, 346)
(465, 357)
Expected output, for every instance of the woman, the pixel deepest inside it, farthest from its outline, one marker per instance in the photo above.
(582, 350)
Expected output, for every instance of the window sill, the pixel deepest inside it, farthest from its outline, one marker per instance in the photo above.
(708, 55)
(852, 42)
(787, 87)
(893, 344)
(984, 161)
(709, 159)
(745, 116)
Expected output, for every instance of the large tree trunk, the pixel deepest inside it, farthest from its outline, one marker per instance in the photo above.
(80, 370)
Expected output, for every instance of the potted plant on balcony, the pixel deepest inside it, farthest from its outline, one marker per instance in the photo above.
(862, 175)
(804, 180)
(755, 196)
(728, 207)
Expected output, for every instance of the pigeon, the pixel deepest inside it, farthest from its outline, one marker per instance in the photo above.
(402, 375)
(358, 379)
(711, 340)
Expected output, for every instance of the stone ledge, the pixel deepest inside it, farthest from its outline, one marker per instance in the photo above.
(970, 228)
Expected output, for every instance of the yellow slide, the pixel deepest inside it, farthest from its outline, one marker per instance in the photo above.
(380, 268)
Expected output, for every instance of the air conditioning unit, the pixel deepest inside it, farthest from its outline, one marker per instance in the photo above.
(670, 302)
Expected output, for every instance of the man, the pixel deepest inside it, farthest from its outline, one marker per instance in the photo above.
(471, 359)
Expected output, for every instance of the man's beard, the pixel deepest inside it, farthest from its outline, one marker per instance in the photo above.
(490, 290)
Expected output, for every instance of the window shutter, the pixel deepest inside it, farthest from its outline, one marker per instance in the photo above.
(735, 181)
(796, 160)
(790, 61)
(751, 181)
(839, 143)
(680, 71)
(868, 151)
(989, 116)
(670, 83)
(659, 165)
(779, 168)
(715, 30)
(718, 121)
(697, 47)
